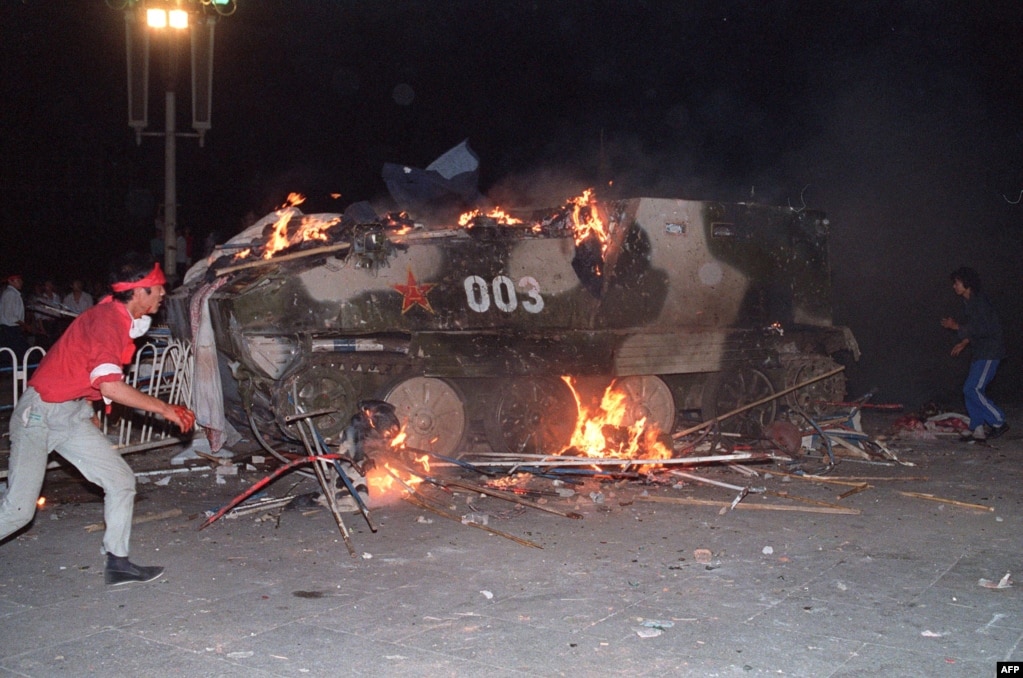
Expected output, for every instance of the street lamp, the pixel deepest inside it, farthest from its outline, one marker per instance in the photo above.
(157, 17)
(197, 18)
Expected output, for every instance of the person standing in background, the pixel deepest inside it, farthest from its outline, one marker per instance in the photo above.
(12, 317)
(982, 332)
(78, 300)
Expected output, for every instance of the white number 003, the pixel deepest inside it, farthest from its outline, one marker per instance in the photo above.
(502, 293)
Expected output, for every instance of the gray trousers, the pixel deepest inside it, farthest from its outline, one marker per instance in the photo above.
(38, 427)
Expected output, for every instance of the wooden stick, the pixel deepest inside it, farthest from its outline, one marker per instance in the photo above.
(744, 470)
(417, 499)
(846, 445)
(709, 481)
(616, 461)
(508, 496)
(859, 478)
(284, 257)
(471, 487)
(855, 490)
(931, 497)
(819, 479)
(805, 500)
(265, 505)
(745, 505)
(756, 403)
(138, 520)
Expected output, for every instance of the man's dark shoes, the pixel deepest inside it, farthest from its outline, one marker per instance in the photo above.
(995, 431)
(121, 571)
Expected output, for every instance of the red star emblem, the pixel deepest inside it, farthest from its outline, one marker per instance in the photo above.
(414, 294)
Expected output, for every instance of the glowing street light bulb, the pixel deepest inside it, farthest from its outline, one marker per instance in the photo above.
(178, 18)
(161, 18)
(156, 18)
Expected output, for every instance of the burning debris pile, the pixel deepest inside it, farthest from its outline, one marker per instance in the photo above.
(288, 234)
(373, 464)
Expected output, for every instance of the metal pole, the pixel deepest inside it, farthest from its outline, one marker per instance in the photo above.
(170, 208)
(756, 403)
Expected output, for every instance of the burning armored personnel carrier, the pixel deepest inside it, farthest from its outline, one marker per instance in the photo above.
(689, 308)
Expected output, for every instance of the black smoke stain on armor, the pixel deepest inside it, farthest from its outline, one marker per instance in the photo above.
(783, 255)
(634, 292)
(588, 264)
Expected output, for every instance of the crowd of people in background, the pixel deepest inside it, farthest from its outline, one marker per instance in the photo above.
(37, 314)
(38, 317)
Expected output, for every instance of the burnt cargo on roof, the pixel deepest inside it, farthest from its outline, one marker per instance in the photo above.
(689, 306)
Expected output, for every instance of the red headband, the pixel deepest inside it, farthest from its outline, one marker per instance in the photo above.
(155, 277)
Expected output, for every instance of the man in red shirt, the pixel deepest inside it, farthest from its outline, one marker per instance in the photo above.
(55, 412)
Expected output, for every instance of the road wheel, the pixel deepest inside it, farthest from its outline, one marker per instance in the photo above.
(817, 398)
(319, 383)
(532, 415)
(729, 390)
(432, 413)
(647, 396)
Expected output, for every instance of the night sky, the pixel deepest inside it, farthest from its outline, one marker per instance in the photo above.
(901, 120)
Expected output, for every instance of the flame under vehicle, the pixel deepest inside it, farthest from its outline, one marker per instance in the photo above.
(689, 308)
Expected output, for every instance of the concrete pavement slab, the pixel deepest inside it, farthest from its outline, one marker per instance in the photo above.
(115, 653)
(892, 590)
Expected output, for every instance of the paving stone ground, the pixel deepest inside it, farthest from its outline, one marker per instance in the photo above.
(627, 590)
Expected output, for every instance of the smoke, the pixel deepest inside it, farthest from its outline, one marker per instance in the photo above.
(902, 143)
(906, 175)
(543, 188)
(898, 121)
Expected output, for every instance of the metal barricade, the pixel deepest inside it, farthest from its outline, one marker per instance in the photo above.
(19, 372)
(161, 368)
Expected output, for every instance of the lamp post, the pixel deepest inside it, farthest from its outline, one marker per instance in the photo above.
(178, 21)
(171, 18)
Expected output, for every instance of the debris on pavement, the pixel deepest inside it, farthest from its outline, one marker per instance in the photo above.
(256, 504)
(651, 628)
(1003, 583)
(588, 477)
(138, 520)
(924, 427)
(953, 502)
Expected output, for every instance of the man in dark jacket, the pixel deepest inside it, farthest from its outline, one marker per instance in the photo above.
(981, 331)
